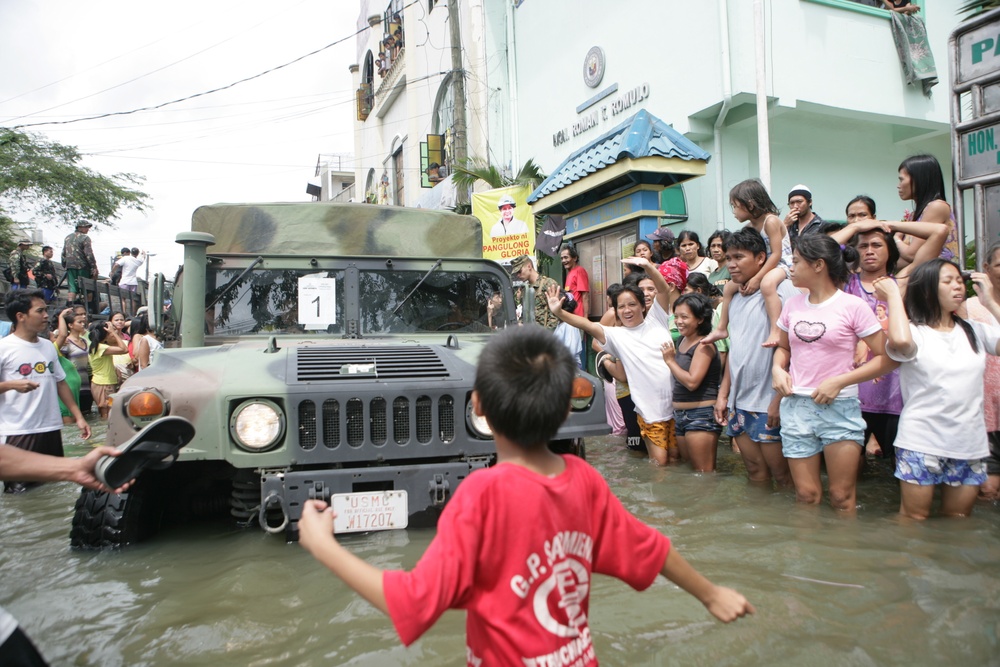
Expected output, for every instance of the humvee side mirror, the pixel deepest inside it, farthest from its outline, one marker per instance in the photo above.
(155, 302)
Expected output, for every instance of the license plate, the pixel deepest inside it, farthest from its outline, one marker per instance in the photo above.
(372, 510)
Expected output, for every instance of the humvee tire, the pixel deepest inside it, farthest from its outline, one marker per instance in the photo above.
(110, 520)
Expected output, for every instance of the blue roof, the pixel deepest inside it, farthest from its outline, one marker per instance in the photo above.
(642, 135)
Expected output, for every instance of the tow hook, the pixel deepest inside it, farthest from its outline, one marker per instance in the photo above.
(271, 510)
(439, 489)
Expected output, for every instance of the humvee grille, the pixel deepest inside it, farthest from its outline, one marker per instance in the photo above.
(329, 364)
(367, 422)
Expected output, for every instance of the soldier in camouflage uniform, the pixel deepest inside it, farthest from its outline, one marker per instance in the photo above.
(45, 274)
(78, 258)
(19, 265)
(523, 268)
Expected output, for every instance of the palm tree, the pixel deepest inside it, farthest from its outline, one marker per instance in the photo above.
(976, 6)
(477, 169)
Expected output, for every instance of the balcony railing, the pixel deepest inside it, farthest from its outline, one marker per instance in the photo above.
(391, 76)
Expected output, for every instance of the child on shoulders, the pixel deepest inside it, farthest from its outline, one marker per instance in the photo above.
(751, 204)
(524, 581)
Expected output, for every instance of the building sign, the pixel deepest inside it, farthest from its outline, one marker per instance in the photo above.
(978, 53)
(980, 153)
(508, 224)
(595, 118)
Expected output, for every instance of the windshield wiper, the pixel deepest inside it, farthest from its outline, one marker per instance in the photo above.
(233, 283)
(437, 265)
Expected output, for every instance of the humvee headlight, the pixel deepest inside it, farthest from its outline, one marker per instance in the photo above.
(144, 407)
(583, 393)
(477, 423)
(257, 425)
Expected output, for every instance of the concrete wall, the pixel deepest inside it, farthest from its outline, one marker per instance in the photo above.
(841, 115)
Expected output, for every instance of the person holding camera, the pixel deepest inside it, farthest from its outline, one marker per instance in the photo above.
(105, 343)
(942, 439)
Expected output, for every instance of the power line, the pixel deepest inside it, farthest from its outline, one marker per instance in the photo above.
(191, 97)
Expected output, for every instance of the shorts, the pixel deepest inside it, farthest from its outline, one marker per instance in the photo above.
(49, 442)
(929, 470)
(72, 275)
(993, 460)
(753, 424)
(659, 434)
(102, 394)
(807, 427)
(696, 419)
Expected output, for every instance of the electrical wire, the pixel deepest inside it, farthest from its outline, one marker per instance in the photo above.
(195, 95)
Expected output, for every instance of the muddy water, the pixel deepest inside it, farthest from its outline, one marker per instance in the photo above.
(829, 591)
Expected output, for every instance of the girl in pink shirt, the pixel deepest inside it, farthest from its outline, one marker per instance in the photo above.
(814, 371)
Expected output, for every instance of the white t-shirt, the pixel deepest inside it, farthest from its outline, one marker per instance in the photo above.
(130, 266)
(35, 411)
(942, 387)
(649, 378)
(707, 266)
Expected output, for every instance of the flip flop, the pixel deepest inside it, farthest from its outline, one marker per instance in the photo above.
(154, 447)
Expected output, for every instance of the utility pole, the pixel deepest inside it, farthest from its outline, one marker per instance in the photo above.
(459, 141)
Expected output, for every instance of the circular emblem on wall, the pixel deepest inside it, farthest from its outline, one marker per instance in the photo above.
(593, 67)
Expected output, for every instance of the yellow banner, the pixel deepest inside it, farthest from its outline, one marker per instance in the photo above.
(508, 225)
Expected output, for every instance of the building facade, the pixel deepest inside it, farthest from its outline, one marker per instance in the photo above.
(548, 78)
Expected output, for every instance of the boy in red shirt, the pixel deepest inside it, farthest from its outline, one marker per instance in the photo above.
(517, 544)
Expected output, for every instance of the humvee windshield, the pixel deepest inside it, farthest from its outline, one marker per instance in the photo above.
(291, 301)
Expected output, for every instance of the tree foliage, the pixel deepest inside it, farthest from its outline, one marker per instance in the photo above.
(479, 170)
(976, 6)
(46, 179)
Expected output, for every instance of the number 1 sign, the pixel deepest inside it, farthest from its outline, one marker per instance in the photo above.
(317, 301)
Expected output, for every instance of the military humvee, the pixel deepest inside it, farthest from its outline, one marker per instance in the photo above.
(325, 351)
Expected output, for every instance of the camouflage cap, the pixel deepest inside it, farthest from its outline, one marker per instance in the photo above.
(84, 223)
(518, 263)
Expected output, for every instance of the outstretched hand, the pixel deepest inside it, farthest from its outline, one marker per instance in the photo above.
(728, 605)
(315, 525)
(641, 262)
(871, 224)
(554, 299)
(83, 474)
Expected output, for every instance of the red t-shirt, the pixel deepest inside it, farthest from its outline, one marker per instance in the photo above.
(578, 284)
(516, 550)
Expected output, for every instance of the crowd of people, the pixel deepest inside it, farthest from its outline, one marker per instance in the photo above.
(808, 341)
(91, 359)
(78, 263)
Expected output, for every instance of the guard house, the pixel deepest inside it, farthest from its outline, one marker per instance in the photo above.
(617, 190)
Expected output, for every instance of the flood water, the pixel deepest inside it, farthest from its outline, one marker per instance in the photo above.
(828, 590)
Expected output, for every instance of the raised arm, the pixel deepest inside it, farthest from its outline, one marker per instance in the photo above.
(63, 333)
(900, 338)
(555, 305)
(987, 297)
(662, 288)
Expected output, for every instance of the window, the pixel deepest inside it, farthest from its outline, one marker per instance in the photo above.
(371, 194)
(366, 94)
(397, 173)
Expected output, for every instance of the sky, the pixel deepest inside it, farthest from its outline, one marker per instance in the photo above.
(65, 60)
